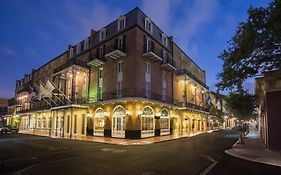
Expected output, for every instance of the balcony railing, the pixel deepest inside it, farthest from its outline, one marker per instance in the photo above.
(152, 54)
(191, 106)
(186, 72)
(112, 95)
(69, 63)
(115, 51)
(168, 63)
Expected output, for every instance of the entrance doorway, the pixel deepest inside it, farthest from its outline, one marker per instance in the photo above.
(118, 122)
(99, 122)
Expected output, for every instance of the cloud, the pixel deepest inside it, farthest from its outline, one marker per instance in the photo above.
(8, 51)
(183, 19)
(83, 18)
(196, 15)
(160, 13)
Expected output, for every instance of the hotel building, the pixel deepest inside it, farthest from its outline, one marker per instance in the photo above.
(127, 80)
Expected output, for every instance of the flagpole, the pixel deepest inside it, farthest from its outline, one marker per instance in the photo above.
(51, 92)
(43, 97)
(60, 91)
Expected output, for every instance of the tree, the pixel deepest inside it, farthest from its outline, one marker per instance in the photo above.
(255, 47)
(242, 105)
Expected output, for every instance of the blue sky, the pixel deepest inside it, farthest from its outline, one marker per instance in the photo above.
(35, 31)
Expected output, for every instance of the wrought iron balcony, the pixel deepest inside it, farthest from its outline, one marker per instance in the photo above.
(189, 74)
(115, 52)
(69, 63)
(97, 62)
(152, 55)
(168, 64)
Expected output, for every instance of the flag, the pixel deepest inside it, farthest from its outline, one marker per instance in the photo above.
(42, 91)
(208, 101)
(33, 94)
(50, 86)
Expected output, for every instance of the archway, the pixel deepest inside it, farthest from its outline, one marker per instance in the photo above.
(118, 122)
(99, 121)
(147, 122)
(164, 122)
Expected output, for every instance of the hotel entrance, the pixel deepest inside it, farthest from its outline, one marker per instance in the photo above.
(118, 122)
(99, 122)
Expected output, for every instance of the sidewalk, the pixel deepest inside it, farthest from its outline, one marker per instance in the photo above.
(118, 141)
(254, 150)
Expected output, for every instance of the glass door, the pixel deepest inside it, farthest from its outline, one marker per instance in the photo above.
(118, 122)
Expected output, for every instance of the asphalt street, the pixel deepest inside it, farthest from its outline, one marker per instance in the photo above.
(24, 154)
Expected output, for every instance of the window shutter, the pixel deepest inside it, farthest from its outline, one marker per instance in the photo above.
(144, 43)
(162, 53)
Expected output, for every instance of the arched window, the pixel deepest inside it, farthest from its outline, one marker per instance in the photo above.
(119, 122)
(164, 122)
(147, 122)
(99, 122)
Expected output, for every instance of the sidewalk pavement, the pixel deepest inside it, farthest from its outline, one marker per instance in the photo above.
(254, 150)
(118, 141)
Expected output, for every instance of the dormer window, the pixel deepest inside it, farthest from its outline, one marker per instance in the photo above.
(121, 23)
(164, 40)
(102, 34)
(71, 52)
(148, 25)
(182, 56)
(86, 44)
(78, 48)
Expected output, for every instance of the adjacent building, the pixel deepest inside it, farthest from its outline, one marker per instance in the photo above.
(268, 91)
(127, 80)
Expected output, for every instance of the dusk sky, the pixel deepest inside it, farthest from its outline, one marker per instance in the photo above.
(34, 32)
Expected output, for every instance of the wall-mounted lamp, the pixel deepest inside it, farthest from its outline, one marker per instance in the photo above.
(139, 112)
(128, 113)
(88, 114)
(106, 114)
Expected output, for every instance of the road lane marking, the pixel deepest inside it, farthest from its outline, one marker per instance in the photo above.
(214, 162)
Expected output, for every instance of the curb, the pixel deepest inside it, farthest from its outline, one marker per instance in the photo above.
(228, 152)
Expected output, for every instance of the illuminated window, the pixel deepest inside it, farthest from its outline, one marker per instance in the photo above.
(100, 74)
(164, 120)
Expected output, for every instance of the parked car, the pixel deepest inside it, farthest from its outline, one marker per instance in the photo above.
(9, 128)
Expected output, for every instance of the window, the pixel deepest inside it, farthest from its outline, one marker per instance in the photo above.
(164, 86)
(182, 56)
(121, 23)
(148, 25)
(71, 52)
(75, 124)
(164, 40)
(148, 80)
(100, 74)
(100, 52)
(76, 85)
(78, 48)
(119, 78)
(86, 44)
(164, 120)
(102, 34)
(83, 124)
(68, 124)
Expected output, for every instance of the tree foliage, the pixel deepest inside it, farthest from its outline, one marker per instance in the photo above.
(242, 105)
(255, 47)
